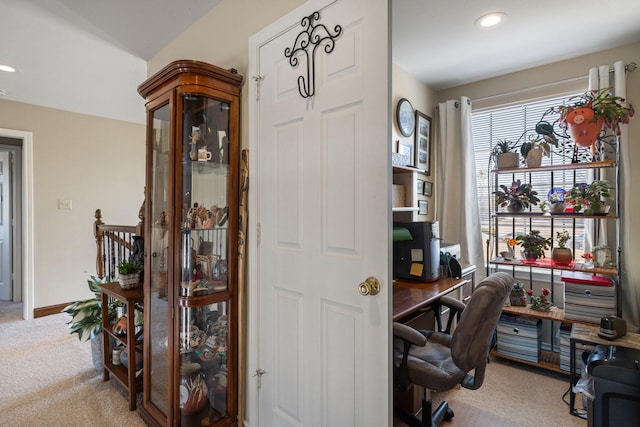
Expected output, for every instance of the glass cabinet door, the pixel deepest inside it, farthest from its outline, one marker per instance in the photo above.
(205, 207)
(206, 246)
(158, 331)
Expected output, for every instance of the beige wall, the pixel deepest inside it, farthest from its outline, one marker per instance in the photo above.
(222, 38)
(95, 163)
(576, 68)
(423, 99)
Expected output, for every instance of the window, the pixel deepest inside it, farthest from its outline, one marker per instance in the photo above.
(513, 122)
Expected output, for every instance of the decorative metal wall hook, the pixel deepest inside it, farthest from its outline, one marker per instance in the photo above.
(312, 36)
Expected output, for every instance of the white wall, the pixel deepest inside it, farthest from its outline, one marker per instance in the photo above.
(423, 99)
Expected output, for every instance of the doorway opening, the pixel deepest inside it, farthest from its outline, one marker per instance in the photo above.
(16, 218)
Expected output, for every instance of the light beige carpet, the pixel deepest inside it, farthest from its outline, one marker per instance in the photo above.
(47, 379)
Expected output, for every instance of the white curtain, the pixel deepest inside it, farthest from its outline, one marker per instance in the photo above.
(600, 78)
(457, 208)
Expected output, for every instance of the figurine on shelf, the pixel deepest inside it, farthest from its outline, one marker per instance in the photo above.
(210, 221)
(540, 303)
(518, 296)
(192, 216)
(201, 216)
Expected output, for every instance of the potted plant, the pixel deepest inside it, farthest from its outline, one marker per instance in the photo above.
(86, 319)
(532, 152)
(533, 245)
(129, 275)
(540, 302)
(561, 254)
(593, 197)
(504, 154)
(587, 113)
(517, 197)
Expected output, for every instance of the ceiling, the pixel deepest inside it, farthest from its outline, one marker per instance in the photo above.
(66, 49)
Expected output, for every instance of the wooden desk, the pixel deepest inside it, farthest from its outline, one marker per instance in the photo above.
(409, 297)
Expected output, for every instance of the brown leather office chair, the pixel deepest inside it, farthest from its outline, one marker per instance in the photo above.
(438, 361)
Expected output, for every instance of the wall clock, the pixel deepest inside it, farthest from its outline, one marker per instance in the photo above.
(405, 117)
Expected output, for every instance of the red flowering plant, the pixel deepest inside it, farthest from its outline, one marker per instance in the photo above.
(540, 302)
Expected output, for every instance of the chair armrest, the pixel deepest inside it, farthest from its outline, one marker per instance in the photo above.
(456, 307)
(407, 333)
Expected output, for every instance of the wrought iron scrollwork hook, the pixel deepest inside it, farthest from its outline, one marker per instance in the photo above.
(307, 42)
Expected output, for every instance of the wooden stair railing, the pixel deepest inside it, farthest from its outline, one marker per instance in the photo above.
(114, 243)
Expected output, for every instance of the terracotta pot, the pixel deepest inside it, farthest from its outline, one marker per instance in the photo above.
(562, 256)
(507, 161)
(583, 127)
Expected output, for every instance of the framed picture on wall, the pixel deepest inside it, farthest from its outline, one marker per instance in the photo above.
(405, 148)
(420, 186)
(423, 207)
(423, 142)
(428, 188)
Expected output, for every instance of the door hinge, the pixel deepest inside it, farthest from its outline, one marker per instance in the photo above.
(258, 233)
(258, 80)
(259, 373)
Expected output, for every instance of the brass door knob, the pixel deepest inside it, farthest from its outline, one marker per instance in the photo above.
(371, 286)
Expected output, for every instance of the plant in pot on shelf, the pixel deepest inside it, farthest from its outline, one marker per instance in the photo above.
(586, 115)
(533, 245)
(591, 199)
(540, 302)
(532, 152)
(561, 254)
(516, 197)
(505, 155)
(86, 319)
(129, 274)
(555, 202)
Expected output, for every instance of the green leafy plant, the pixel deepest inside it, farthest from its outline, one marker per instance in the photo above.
(534, 144)
(518, 195)
(592, 197)
(533, 243)
(86, 315)
(127, 267)
(614, 110)
(503, 146)
(562, 237)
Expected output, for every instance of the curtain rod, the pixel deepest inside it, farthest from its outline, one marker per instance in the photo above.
(632, 66)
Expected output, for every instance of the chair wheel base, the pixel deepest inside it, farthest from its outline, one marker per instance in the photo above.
(448, 415)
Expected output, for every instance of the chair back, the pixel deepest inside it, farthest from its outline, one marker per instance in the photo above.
(472, 337)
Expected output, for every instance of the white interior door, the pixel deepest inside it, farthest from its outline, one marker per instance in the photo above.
(320, 186)
(6, 286)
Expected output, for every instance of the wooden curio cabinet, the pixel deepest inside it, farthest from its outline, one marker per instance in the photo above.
(191, 246)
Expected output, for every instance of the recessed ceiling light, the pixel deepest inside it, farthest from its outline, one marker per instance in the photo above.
(3, 92)
(7, 68)
(490, 20)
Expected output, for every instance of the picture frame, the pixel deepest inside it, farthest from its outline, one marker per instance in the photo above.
(421, 186)
(422, 155)
(428, 189)
(405, 148)
(423, 207)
